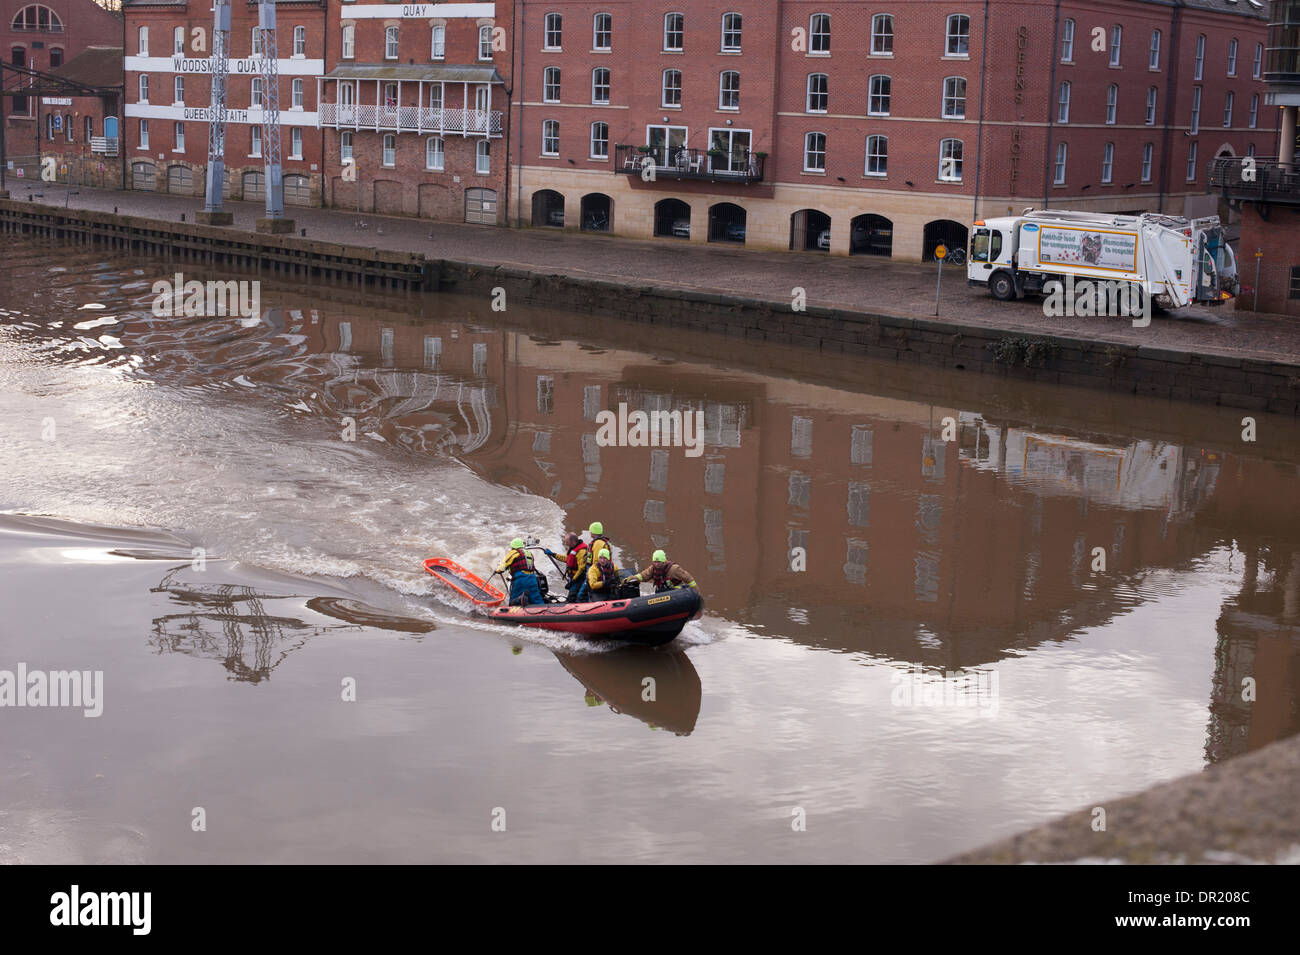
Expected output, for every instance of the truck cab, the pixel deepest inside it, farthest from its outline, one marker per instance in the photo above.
(992, 256)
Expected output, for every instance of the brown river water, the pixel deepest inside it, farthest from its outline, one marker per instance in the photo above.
(179, 511)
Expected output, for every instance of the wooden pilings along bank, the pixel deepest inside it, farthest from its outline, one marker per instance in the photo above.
(283, 255)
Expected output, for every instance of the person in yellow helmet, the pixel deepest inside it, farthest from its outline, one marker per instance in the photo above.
(602, 576)
(665, 574)
(518, 563)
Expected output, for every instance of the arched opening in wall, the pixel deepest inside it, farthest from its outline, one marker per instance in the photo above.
(871, 235)
(388, 197)
(597, 212)
(481, 206)
(810, 229)
(945, 232)
(254, 185)
(548, 208)
(673, 219)
(297, 191)
(434, 200)
(144, 176)
(727, 222)
(180, 180)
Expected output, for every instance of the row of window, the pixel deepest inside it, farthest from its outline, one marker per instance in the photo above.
(816, 100)
(1153, 51)
(255, 44)
(1108, 162)
(1112, 106)
(818, 37)
(437, 42)
(255, 97)
(54, 125)
(178, 139)
(434, 152)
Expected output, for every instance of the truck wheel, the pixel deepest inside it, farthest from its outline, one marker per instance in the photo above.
(1002, 287)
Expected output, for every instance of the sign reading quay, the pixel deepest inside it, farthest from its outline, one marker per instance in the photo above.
(418, 11)
(249, 66)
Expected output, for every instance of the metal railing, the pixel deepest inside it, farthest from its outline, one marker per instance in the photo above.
(412, 119)
(103, 145)
(1252, 178)
(681, 163)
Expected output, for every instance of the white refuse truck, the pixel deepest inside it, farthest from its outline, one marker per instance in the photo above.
(1174, 261)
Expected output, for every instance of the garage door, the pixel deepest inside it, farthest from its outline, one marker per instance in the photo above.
(144, 176)
(481, 206)
(254, 185)
(297, 191)
(180, 180)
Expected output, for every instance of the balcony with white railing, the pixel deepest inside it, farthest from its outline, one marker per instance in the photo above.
(411, 119)
(103, 145)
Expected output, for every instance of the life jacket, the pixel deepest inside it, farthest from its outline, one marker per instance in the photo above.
(659, 576)
(579, 556)
(597, 545)
(606, 572)
(519, 562)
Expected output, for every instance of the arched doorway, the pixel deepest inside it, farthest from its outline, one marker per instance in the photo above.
(810, 229)
(389, 197)
(254, 185)
(727, 222)
(673, 218)
(180, 180)
(944, 232)
(548, 208)
(144, 176)
(597, 212)
(297, 191)
(871, 235)
(481, 206)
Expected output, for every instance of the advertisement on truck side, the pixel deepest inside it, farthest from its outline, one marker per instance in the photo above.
(1088, 248)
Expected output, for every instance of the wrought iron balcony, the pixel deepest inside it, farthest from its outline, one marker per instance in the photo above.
(680, 163)
(1266, 180)
(410, 119)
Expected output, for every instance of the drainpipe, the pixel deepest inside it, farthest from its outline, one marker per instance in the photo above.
(979, 135)
(509, 123)
(121, 127)
(320, 88)
(1049, 159)
(1169, 102)
(519, 179)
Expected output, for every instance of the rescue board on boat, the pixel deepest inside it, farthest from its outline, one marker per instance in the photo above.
(466, 583)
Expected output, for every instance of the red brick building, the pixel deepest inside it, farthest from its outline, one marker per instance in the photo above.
(82, 131)
(413, 96)
(877, 128)
(45, 36)
(168, 93)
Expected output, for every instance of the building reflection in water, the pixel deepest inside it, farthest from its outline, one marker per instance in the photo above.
(943, 537)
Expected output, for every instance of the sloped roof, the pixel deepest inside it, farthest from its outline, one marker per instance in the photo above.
(94, 66)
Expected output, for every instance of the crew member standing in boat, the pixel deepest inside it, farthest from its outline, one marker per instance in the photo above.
(665, 574)
(518, 563)
(602, 575)
(575, 565)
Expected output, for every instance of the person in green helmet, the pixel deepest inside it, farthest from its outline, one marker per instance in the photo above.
(665, 574)
(602, 576)
(518, 563)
